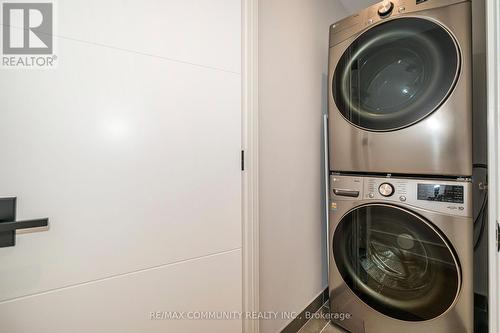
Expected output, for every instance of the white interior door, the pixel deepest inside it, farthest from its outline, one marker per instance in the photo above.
(130, 146)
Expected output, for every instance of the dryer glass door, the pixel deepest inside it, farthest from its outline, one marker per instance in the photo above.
(396, 74)
(396, 262)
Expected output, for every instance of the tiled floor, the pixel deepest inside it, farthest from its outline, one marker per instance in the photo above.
(318, 324)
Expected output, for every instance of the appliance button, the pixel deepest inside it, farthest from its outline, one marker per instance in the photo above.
(401, 9)
(371, 195)
(402, 198)
(386, 189)
(386, 8)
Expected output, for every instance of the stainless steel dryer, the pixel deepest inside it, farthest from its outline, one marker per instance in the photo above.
(400, 96)
(401, 255)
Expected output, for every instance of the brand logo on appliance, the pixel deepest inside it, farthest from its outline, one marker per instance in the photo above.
(456, 207)
(28, 34)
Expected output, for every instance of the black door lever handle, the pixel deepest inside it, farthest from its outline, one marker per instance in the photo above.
(16, 225)
(9, 225)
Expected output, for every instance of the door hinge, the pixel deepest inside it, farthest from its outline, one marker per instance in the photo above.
(242, 160)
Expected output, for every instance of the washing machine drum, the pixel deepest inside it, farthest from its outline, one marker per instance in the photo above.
(396, 74)
(396, 262)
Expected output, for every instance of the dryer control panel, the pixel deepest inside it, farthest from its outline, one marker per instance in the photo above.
(444, 196)
(357, 23)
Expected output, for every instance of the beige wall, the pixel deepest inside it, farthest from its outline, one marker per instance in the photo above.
(353, 6)
(293, 56)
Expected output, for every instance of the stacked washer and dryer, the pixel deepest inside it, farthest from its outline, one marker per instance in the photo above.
(400, 147)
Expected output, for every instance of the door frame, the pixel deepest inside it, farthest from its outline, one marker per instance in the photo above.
(250, 173)
(493, 87)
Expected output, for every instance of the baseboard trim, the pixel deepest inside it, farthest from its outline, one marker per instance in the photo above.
(299, 321)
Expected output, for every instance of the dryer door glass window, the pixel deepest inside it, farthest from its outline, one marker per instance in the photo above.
(396, 74)
(396, 262)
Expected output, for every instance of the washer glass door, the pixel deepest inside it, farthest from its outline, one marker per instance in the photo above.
(396, 74)
(396, 262)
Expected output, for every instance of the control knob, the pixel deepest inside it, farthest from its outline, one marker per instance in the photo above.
(386, 189)
(385, 8)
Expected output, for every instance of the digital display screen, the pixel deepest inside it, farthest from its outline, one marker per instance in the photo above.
(441, 193)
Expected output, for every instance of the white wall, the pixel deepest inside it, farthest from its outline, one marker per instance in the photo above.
(293, 56)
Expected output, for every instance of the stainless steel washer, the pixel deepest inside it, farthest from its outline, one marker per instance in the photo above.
(401, 255)
(400, 96)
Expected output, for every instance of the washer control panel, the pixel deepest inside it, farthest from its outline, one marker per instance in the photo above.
(386, 188)
(445, 196)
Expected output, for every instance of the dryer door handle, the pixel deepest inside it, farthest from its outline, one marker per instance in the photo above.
(346, 193)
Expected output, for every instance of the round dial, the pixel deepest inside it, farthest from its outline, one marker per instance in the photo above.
(386, 189)
(386, 8)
